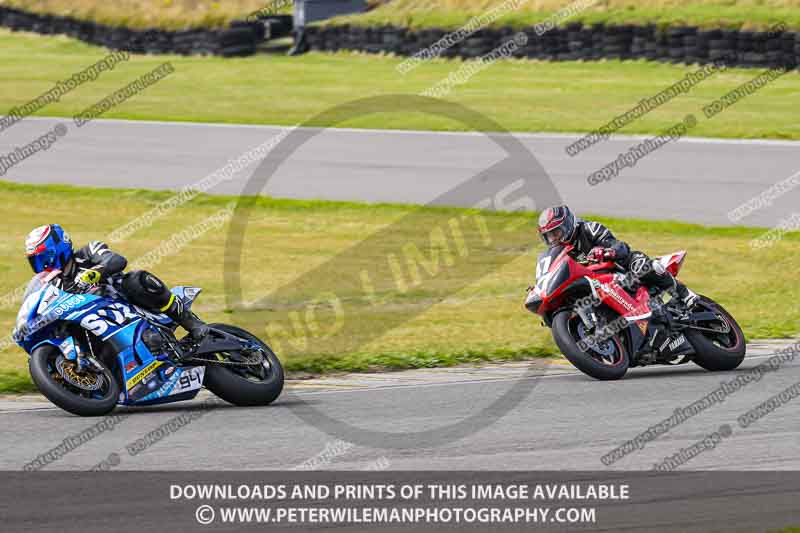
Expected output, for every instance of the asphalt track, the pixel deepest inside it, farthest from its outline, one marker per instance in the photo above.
(561, 420)
(694, 180)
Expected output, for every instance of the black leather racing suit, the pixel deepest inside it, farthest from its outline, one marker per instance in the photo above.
(95, 256)
(650, 273)
(139, 287)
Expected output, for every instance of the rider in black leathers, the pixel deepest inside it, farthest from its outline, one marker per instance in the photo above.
(558, 225)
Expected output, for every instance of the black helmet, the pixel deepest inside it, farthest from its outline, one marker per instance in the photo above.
(556, 225)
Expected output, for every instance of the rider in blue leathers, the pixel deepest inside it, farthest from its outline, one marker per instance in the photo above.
(50, 248)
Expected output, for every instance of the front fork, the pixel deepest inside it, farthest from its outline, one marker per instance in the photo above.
(588, 317)
(74, 351)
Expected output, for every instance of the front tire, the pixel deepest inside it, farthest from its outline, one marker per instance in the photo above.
(46, 376)
(566, 335)
(722, 351)
(236, 387)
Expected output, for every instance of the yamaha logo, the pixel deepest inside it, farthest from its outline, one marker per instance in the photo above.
(674, 345)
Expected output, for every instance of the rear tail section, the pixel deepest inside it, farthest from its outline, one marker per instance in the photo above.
(672, 262)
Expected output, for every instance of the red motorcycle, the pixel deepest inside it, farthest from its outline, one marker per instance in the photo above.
(604, 321)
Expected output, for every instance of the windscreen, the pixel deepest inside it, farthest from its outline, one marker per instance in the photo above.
(35, 284)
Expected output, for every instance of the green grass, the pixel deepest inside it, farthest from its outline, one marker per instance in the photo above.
(520, 95)
(432, 13)
(168, 14)
(451, 14)
(468, 311)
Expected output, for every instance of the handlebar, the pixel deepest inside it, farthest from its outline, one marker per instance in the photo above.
(582, 259)
(106, 285)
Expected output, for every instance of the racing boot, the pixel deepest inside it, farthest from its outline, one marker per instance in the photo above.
(665, 282)
(186, 319)
(197, 328)
(682, 299)
(686, 296)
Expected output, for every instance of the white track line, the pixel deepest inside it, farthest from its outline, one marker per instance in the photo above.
(523, 135)
(569, 373)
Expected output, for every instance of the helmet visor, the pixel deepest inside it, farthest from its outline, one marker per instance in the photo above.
(41, 261)
(554, 236)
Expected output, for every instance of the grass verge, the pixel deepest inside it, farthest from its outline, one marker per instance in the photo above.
(166, 14)
(459, 311)
(521, 95)
(174, 14)
(451, 14)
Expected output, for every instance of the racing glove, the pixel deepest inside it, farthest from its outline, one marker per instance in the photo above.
(87, 279)
(599, 254)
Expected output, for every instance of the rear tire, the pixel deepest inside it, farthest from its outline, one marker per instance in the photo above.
(235, 388)
(42, 370)
(717, 356)
(583, 361)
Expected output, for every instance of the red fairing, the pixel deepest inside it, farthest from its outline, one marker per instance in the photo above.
(576, 271)
(612, 294)
(604, 285)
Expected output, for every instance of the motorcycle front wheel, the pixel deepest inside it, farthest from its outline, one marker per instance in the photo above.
(83, 394)
(605, 360)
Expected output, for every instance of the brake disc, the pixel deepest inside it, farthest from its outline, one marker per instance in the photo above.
(604, 348)
(88, 381)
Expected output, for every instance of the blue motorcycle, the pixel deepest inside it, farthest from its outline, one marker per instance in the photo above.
(92, 351)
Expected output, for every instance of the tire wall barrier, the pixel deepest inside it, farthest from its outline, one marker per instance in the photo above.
(240, 39)
(572, 42)
(687, 45)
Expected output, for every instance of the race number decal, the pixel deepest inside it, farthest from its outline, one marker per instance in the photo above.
(190, 379)
(542, 274)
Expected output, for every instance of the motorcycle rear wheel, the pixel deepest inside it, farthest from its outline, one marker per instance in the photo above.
(566, 336)
(721, 351)
(45, 375)
(242, 386)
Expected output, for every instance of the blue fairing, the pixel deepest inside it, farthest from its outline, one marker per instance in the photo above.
(66, 345)
(146, 377)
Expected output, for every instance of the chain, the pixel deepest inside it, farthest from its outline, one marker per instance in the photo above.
(229, 363)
